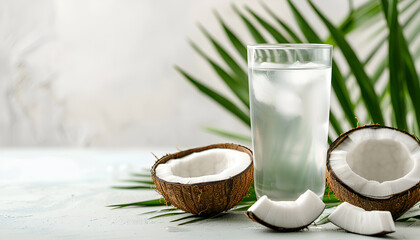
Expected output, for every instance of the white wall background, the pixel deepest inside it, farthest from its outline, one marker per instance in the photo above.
(100, 72)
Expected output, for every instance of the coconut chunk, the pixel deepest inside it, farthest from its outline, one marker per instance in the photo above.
(357, 220)
(206, 166)
(287, 215)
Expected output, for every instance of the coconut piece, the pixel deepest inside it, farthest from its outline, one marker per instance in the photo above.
(205, 180)
(287, 215)
(376, 168)
(357, 220)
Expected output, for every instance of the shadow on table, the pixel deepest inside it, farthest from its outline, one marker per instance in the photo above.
(240, 219)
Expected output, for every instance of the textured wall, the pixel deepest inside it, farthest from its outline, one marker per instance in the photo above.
(100, 72)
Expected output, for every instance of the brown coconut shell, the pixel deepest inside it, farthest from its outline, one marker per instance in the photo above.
(397, 203)
(205, 198)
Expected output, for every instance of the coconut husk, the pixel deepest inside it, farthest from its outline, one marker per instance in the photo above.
(397, 203)
(205, 198)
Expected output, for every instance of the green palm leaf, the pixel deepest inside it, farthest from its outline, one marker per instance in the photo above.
(251, 28)
(227, 134)
(183, 218)
(134, 187)
(148, 182)
(161, 210)
(286, 27)
(366, 87)
(383, 28)
(149, 203)
(228, 59)
(365, 15)
(140, 175)
(409, 72)
(270, 29)
(415, 32)
(234, 40)
(236, 86)
(380, 68)
(396, 65)
(224, 102)
(199, 219)
(335, 124)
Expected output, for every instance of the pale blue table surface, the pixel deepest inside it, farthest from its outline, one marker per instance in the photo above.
(63, 194)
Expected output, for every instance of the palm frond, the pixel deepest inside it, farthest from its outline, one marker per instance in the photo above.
(278, 36)
(134, 187)
(227, 134)
(161, 210)
(285, 26)
(223, 101)
(335, 124)
(140, 175)
(396, 64)
(402, 67)
(363, 16)
(235, 68)
(258, 37)
(199, 218)
(234, 40)
(147, 182)
(149, 203)
(236, 86)
(366, 87)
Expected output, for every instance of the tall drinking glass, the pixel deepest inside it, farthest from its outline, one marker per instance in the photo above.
(289, 86)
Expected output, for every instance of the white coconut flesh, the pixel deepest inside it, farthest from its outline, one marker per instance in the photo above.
(288, 214)
(205, 166)
(357, 220)
(377, 163)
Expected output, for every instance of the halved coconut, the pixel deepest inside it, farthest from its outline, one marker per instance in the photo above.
(375, 168)
(205, 180)
(357, 220)
(287, 215)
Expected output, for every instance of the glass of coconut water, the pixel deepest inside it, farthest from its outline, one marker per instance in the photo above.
(289, 86)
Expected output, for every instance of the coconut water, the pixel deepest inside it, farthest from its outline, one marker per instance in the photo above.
(290, 117)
